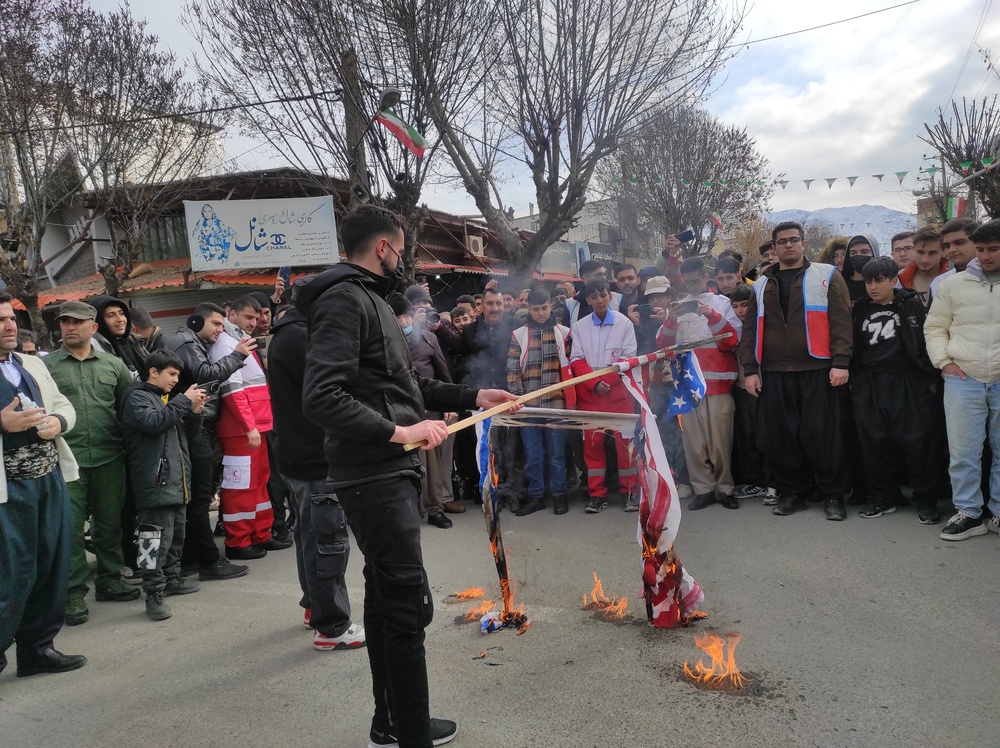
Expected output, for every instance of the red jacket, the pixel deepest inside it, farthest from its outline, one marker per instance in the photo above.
(718, 361)
(245, 404)
(907, 274)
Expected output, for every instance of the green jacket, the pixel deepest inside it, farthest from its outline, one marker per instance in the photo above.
(96, 387)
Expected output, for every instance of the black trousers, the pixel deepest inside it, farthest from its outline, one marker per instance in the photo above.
(385, 518)
(277, 490)
(900, 423)
(199, 538)
(35, 539)
(322, 549)
(803, 416)
(749, 441)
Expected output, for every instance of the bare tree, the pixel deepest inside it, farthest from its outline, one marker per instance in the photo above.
(964, 140)
(143, 144)
(747, 237)
(565, 83)
(684, 165)
(323, 67)
(46, 92)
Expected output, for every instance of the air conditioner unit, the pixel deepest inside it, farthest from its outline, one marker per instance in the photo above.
(476, 245)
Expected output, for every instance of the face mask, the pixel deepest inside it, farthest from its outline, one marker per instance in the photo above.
(407, 330)
(857, 262)
(393, 278)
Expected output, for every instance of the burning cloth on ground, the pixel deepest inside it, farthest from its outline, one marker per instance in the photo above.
(672, 595)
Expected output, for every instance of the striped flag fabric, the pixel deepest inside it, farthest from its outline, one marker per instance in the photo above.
(689, 386)
(956, 206)
(672, 596)
(405, 134)
(716, 220)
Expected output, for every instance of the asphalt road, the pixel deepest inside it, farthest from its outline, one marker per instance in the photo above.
(860, 633)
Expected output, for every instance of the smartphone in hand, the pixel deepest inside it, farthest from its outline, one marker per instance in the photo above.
(685, 236)
(285, 273)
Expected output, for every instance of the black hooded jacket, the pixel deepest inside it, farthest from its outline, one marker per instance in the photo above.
(298, 441)
(128, 347)
(359, 380)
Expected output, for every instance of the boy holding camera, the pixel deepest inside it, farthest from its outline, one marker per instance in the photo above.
(156, 441)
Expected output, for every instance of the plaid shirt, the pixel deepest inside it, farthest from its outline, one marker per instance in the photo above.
(541, 366)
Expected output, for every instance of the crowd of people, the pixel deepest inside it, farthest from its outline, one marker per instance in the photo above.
(839, 381)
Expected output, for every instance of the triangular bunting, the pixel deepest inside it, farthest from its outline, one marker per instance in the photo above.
(724, 184)
(830, 181)
(965, 166)
(932, 170)
(761, 182)
(741, 184)
(808, 182)
(686, 182)
(707, 183)
(988, 162)
(783, 183)
(633, 181)
(901, 175)
(852, 180)
(878, 176)
(616, 181)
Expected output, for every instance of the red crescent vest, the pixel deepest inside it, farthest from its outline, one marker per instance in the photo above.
(816, 293)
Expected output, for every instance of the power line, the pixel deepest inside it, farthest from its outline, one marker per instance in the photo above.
(821, 26)
(972, 45)
(180, 115)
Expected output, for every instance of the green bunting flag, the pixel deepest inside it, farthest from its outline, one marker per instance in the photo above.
(901, 175)
(965, 166)
(830, 181)
(633, 181)
(878, 176)
(932, 170)
(852, 180)
(808, 182)
(707, 183)
(686, 182)
(988, 162)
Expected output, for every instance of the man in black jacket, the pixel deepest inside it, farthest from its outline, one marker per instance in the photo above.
(361, 389)
(191, 343)
(485, 344)
(322, 543)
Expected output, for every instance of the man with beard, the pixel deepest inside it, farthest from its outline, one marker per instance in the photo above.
(360, 387)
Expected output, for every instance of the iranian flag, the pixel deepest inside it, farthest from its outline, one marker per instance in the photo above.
(956, 206)
(405, 134)
(716, 220)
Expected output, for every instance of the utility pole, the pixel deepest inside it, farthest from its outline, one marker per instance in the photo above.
(355, 128)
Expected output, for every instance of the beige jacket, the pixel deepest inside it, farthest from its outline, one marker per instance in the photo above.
(56, 403)
(963, 325)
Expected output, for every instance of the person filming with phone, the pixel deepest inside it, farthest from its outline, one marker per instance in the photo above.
(192, 343)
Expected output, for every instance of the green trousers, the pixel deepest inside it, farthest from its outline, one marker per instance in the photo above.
(102, 489)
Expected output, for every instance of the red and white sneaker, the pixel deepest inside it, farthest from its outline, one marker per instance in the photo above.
(353, 638)
(305, 618)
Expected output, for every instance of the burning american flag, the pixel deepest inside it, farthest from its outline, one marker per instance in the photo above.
(672, 596)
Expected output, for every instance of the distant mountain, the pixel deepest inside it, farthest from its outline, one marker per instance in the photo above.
(877, 220)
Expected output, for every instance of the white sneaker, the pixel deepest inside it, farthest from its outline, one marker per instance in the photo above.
(993, 524)
(772, 497)
(684, 491)
(353, 638)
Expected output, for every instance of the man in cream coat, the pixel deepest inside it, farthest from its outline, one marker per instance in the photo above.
(35, 525)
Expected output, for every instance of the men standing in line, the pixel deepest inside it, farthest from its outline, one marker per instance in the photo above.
(795, 352)
(192, 343)
(244, 418)
(34, 508)
(360, 388)
(322, 542)
(96, 384)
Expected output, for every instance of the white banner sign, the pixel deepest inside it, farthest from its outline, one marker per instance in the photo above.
(238, 234)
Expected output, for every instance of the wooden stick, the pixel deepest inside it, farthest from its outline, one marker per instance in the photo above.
(613, 369)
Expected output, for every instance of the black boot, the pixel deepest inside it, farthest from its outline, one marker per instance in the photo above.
(701, 501)
(791, 503)
(530, 507)
(559, 504)
(833, 507)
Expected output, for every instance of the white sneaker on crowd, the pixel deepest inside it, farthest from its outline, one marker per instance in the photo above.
(353, 638)
(993, 524)
(772, 497)
(684, 491)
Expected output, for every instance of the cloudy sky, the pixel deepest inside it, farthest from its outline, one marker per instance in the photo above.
(846, 100)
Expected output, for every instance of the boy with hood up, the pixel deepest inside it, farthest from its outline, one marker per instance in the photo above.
(114, 333)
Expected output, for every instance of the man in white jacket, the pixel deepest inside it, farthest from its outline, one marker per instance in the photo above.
(35, 522)
(963, 340)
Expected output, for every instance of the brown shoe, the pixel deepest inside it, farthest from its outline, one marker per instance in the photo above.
(453, 507)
